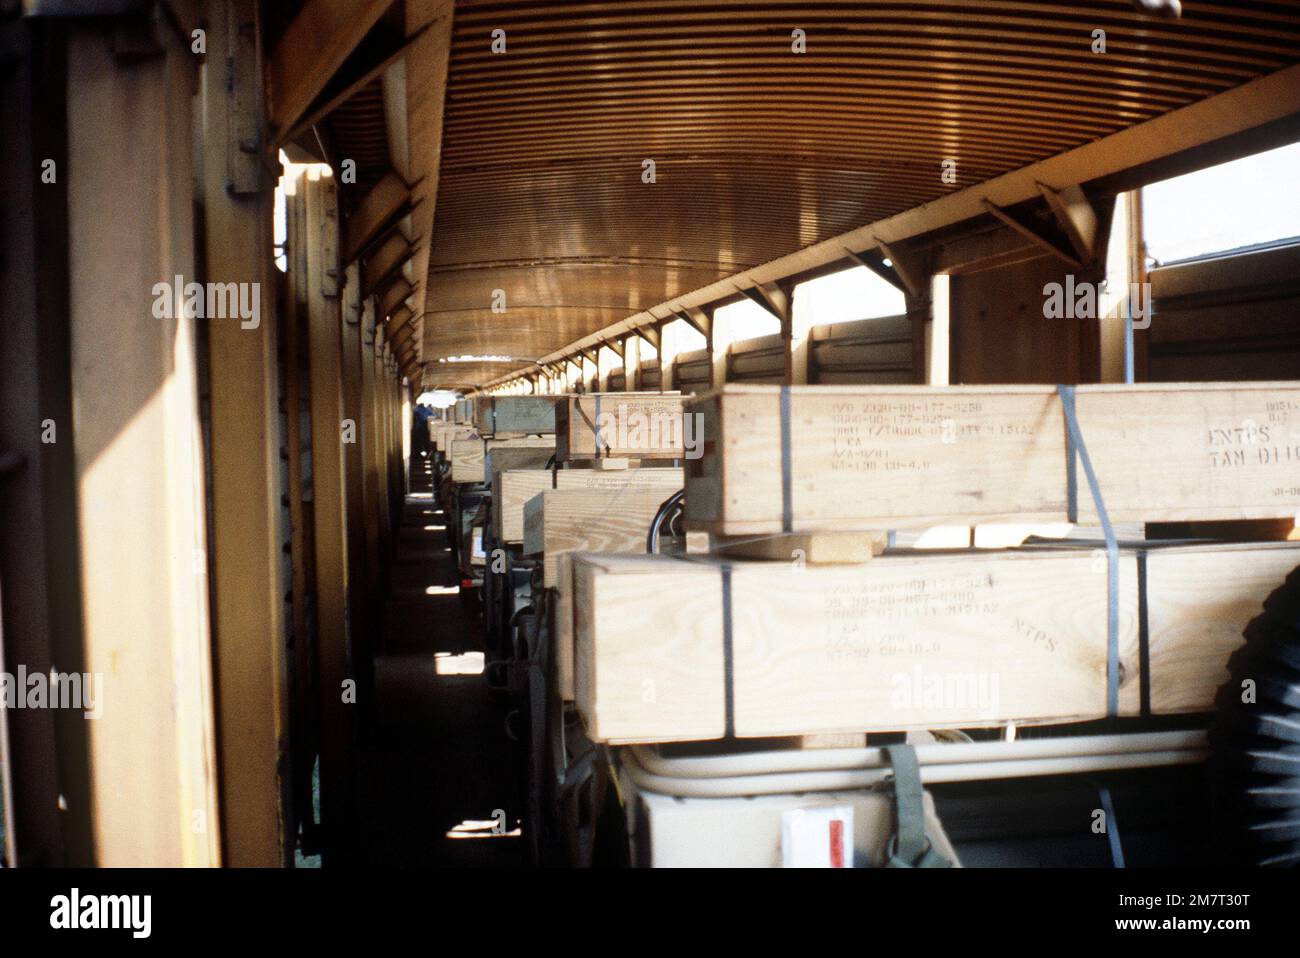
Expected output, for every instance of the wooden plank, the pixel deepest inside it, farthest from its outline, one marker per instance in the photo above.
(516, 415)
(627, 425)
(512, 489)
(313, 47)
(865, 458)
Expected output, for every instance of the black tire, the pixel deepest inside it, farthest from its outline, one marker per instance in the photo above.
(1255, 767)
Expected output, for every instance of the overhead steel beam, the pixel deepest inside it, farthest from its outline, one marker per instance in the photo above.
(386, 262)
(1076, 218)
(875, 261)
(1032, 233)
(907, 266)
(652, 333)
(316, 43)
(378, 212)
(376, 53)
(771, 298)
(698, 319)
(395, 296)
(399, 318)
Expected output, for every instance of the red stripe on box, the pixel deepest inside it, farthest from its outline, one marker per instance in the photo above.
(837, 843)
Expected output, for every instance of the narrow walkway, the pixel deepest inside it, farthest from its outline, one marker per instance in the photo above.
(443, 759)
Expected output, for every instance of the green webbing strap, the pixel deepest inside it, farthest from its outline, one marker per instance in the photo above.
(909, 847)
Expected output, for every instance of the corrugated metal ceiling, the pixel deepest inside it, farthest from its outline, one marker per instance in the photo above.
(758, 150)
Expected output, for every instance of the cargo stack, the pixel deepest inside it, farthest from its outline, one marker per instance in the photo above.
(804, 621)
(618, 458)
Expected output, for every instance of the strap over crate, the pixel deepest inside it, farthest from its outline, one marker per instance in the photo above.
(1077, 449)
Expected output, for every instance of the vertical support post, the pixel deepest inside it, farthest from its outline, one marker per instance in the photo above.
(369, 445)
(631, 363)
(381, 454)
(798, 349)
(329, 494)
(667, 356)
(306, 716)
(362, 600)
(247, 586)
(138, 454)
(45, 755)
(1137, 358)
(717, 342)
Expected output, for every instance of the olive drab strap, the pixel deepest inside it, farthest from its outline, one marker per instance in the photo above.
(909, 847)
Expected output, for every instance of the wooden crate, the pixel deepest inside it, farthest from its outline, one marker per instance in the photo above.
(1199, 599)
(506, 458)
(468, 456)
(444, 434)
(558, 522)
(511, 490)
(515, 415)
(904, 641)
(621, 425)
(873, 457)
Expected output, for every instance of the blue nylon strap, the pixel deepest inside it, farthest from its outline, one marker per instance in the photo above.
(728, 657)
(787, 466)
(1144, 635)
(1075, 447)
(1112, 829)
